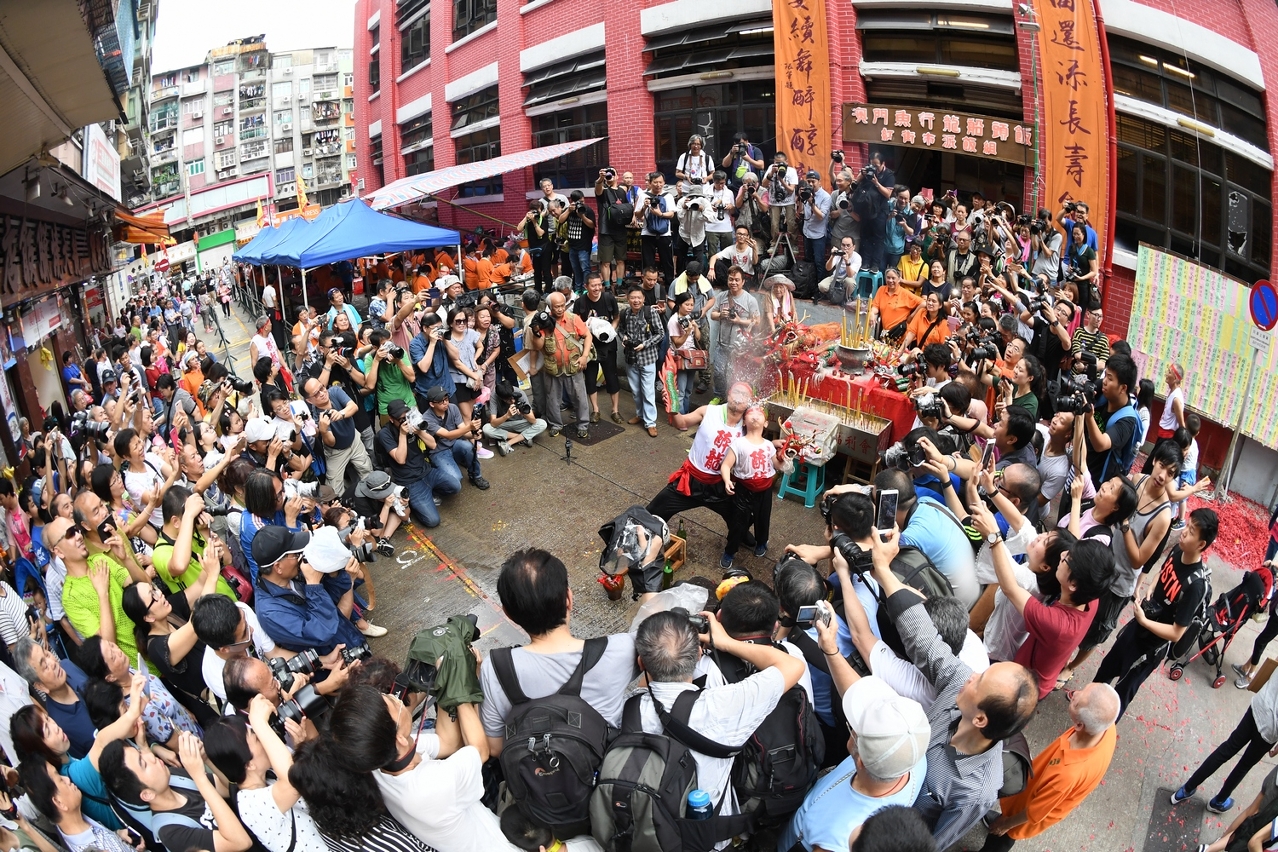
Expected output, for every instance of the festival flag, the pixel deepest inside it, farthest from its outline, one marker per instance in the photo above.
(669, 383)
(261, 220)
(301, 193)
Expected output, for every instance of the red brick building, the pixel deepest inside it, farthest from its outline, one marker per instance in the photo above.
(1192, 169)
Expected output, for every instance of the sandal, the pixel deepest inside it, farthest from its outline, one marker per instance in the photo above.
(594, 417)
(1061, 681)
(617, 418)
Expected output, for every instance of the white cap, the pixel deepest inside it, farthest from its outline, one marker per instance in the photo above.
(892, 732)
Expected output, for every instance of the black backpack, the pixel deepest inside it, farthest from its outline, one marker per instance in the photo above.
(554, 745)
(867, 202)
(804, 276)
(641, 797)
(779, 763)
(620, 213)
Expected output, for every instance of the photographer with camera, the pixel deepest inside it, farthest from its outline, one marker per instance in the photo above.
(655, 210)
(780, 181)
(1075, 214)
(183, 540)
(511, 420)
(642, 333)
(388, 372)
(842, 222)
(685, 337)
(752, 209)
(843, 264)
(429, 355)
(694, 210)
(579, 222)
(739, 318)
(335, 426)
(1084, 267)
(601, 313)
(870, 202)
(297, 615)
(567, 344)
(742, 159)
(814, 209)
(337, 368)
(719, 215)
(901, 225)
(615, 214)
(962, 261)
(456, 441)
(1045, 248)
(403, 444)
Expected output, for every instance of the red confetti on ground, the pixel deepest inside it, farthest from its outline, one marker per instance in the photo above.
(1244, 530)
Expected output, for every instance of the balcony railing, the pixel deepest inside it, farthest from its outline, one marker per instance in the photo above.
(253, 133)
(163, 93)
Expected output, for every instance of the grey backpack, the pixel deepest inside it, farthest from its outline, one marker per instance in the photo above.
(640, 800)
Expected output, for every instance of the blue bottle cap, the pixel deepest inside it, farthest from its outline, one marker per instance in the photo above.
(698, 799)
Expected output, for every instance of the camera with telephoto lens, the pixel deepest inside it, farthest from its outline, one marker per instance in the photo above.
(694, 205)
(239, 385)
(859, 561)
(699, 622)
(396, 352)
(580, 208)
(1075, 393)
(609, 172)
(904, 457)
(837, 156)
(984, 351)
(845, 201)
(1037, 305)
(806, 193)
(750, 190)
(363, 552)
(523, 408)
(307, 704)
(542, 323)
(928, 405)
(303, 662)
(81, 425)
(907, 370)
(356, 653)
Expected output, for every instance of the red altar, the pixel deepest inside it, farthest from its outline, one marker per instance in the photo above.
(839, 388)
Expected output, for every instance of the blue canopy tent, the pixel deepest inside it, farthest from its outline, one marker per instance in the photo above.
(267, 239)
(352, 229)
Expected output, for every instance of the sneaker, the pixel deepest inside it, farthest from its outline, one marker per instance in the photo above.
(554, 431)
(437, 501)
(373, 631)
(761, 549)
(384, 547)
(1243, 682)
(482, 452)
(479, 482)
(1220, 807)
(503, 449)
(1180, 795)
(1238, 670)
(725, 561)
(583, 432)
(1178, 525)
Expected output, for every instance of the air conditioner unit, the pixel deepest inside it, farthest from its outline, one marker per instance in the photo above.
(288, 99)
(227, 110)
(199, 113)
(286, 128)
(219, 140)
(306, 152)
(287, 71)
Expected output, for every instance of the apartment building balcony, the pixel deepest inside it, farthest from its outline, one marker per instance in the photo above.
(163, 93)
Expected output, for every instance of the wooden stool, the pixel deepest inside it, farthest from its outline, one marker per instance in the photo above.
(806, 481)
(861, 472)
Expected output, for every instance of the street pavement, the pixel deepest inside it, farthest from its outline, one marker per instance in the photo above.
(538, 499)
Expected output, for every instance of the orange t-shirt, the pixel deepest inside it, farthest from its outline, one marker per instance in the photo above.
(920, 324)
(422, 282)
(1062, 778)
(895, 308)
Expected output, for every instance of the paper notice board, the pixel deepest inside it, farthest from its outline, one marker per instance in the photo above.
(1193, 314)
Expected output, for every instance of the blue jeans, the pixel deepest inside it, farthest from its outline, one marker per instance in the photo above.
(685, 379)
(580, 259)
(421, 492)
(814, 250)
(450, 464)
(642, 379)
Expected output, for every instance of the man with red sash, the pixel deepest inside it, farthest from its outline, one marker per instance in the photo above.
(699, 482)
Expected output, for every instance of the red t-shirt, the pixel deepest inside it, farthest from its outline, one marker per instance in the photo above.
(1054, 634)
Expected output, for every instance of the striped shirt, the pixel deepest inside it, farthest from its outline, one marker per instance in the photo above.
(385, 835)
(1094, 342)
(959, 788)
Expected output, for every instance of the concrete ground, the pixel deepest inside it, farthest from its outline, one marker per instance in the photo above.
(539, 500)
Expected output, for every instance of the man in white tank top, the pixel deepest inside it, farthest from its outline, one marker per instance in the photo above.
(698, 482)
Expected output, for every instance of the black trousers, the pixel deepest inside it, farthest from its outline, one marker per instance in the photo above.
(542, 261)
(1245, 738)
(607, 361)
(669, 502)
(749, 507)
(1136, 654)
(1267, 633)
(663, 247)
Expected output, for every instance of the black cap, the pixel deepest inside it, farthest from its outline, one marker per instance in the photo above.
(272, 543)
(396, 409)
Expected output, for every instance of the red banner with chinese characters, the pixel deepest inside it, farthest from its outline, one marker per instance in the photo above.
(1074, 125)
(803, 83)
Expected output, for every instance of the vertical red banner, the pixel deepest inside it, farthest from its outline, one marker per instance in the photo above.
(1073, 124)
(802, 48)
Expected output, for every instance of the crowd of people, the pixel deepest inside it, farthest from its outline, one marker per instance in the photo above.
(186, 620)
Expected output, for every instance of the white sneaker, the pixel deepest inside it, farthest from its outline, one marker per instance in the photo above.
(483, 453)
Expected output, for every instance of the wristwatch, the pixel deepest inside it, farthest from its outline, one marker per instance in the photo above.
(994, 538)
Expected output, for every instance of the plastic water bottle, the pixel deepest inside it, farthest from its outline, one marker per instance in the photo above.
(699, 805)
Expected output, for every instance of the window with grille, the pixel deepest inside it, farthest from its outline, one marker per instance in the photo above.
(579, 168)
(283, 146)
(414, 34)
(576, 76)
(473, 109)
(284, 176)
(375, 74)
(470, 15)
(476, 147)
(416, 134)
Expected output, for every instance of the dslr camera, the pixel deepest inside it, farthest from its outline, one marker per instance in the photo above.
(806, 193)
(837, 156)
(396, 352)
(542, 323)
(1075, 392)
(239, 385)
(293, 488)
(928, 405)
(699, 622)
(284, 671)
(306, 704)
(609, 172)
(904, 458)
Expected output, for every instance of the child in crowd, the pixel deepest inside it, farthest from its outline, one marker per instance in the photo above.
(748, 470)
(525, 834)
(1187, 438)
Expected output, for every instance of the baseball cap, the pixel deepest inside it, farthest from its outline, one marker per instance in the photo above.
(325, 551)
(813, 173)
(272, 543)
(436, 394)
(892, 732)
(259, 429)
(376, 486)
(108, 376)
(446, 281)
(396, 409)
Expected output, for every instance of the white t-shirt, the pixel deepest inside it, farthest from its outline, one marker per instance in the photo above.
(789, 178)
(908, 682)
(726, 714)
(743, 258)
(1191, 457)
(138, 481)
(268, 296)
(279, 831)
(714, 224)
(438, 801)
(673, 329)
(213, 664)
